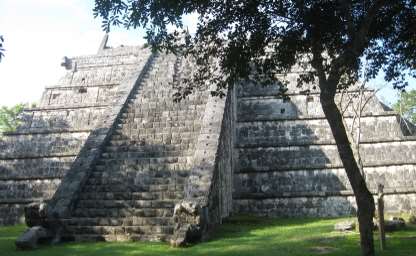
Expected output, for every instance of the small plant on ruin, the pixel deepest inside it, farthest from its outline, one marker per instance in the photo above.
(406, 105)
(9, 117)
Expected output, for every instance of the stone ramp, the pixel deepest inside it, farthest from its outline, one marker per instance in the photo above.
(132, 189)
(34, 159)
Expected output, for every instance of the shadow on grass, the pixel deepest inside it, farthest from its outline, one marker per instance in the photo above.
(241, 236)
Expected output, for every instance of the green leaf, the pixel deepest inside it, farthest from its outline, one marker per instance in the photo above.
(9, 118)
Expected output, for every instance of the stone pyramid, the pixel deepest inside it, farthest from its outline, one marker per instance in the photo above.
(108, 155)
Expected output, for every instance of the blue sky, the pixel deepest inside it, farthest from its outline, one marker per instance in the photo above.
(38, 33)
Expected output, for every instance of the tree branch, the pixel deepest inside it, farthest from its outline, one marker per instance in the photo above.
(357, 44)
(317, 62)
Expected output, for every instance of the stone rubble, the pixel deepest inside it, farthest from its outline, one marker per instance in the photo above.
(343, 226)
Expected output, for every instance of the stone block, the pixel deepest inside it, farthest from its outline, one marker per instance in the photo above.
(343, 226)
(394, 224)
(32, 237)
(36, 214)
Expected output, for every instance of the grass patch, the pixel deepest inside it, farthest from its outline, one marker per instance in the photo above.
(241, 236)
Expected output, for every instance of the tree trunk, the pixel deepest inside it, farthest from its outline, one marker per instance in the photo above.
(363, 197)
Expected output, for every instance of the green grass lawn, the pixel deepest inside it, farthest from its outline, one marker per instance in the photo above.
(240, 236)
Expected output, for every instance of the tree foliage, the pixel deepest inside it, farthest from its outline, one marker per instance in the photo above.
(255, 39)
(406, 105)
(9, 117)
(331, 35)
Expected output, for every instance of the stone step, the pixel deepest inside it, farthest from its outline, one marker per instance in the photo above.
(144, 104)
(119, 230)
(120, 187)
(140, 151)
(148, 143)
(161, 170)
(122, 195)
(162, 195)
(129, 221)
(165, 89)
(105, 196)
(122, 212)
(138, 117)
(132, 165)
(142, 165)
(159, 128)
(157, 87)
(182, 114)
(156, 131)
(133, 171)
(119, 238)
(156, 141)
(139, 138)
(126, 187)
(145, 157)
(155, 114)
(140, 158)
(100, 178)
(164, 101)
(141, 113)
(159, 204)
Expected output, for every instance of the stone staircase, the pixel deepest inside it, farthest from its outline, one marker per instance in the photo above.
(140, 176)
(38, 155)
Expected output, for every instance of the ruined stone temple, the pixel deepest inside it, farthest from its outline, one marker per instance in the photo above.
(115, 158)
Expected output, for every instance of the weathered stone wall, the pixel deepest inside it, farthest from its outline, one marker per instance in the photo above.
(67, 119)
(220, 195)
(56, 144)
(208, 189)
(315, 205)
(225, 161)
(270, 108)
(35, 157)
(314, 131)
(288, 164)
